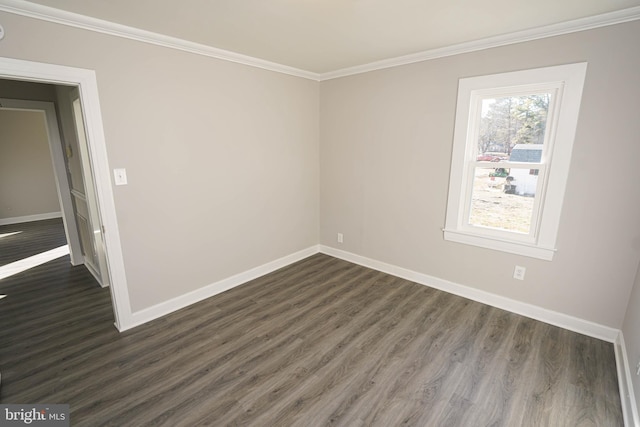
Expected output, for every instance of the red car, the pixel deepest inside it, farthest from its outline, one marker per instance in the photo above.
(488, 158)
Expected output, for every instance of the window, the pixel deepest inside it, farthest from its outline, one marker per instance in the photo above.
(512, 147)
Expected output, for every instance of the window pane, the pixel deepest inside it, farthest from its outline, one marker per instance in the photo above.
(509, 121)
(503, 198)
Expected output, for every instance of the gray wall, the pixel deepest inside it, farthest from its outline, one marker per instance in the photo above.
(15, 89)
(221, 158)
(27, 182)
(386, 141)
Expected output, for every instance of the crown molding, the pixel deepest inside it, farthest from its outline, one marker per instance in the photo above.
(50, 14)
(576, 25)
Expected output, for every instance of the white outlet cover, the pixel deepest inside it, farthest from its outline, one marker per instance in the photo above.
(120, 176)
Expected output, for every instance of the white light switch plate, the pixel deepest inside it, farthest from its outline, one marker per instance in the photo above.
(120, 176)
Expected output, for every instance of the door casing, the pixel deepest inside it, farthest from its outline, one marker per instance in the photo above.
(86, 82)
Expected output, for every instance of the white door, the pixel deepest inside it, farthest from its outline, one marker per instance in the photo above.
(87, 213)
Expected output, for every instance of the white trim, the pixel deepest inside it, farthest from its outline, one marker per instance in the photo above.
(625, 384)
(30, 218)
(489, 242)
(566, 81)
(529, 310)
(88, 86)
(50, 14)
(568, 27)
(182, 301)
(78, 195)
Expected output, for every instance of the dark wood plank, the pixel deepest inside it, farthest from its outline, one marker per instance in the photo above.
(320, 342)
(18, 241)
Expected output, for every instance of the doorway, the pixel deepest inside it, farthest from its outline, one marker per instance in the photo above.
(40, 117)
(73, 181)
(87, 97)
(31, 229)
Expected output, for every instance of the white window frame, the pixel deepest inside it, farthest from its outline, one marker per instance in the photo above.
(565, 83)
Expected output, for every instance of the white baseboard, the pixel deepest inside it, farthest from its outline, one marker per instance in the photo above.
(629, 407)
(529, 310)
(627, 395)
(565, 321)
(164, 308)
(29, 218)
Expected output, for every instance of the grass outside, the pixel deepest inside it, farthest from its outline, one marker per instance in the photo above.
(492, 207)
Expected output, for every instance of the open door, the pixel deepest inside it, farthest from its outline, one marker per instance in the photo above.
(84, 193)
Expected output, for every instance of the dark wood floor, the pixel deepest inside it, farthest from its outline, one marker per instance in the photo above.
(30, 238)
(320, 342)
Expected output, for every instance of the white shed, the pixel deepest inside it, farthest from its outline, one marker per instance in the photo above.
(525, 180)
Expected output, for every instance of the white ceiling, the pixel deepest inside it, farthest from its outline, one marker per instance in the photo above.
(322, 36)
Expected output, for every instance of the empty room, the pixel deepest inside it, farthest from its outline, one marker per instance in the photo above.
(313, 213)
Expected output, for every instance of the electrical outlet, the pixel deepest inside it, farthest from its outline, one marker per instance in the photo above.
(340, 238)
(518, 272)
(120, 176)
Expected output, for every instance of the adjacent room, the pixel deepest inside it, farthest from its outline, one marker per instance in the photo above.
(322, 213)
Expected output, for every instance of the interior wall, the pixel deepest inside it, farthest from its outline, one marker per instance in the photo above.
(386, 143)
(32, 91)
(221, 158)
(27, 181)
(36, 173)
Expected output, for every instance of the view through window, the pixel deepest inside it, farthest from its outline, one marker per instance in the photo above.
(511, 129)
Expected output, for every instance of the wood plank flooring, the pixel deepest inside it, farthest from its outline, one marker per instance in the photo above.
(30, 238)
(320, 342)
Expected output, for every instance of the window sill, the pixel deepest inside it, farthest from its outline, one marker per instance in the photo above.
(517, 248)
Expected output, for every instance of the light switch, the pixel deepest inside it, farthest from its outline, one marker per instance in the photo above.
(120, 176)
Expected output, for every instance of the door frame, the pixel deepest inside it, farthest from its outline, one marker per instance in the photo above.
(85, 80)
